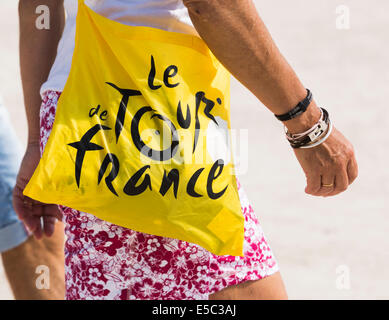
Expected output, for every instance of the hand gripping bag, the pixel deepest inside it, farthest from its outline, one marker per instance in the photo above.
(141, 136)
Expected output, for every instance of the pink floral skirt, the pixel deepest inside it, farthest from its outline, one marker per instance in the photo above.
(106, 261)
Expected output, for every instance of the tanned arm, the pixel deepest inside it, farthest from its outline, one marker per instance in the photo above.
(37, 53)
(235, 33)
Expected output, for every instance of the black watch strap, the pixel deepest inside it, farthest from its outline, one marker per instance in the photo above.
(297, 110)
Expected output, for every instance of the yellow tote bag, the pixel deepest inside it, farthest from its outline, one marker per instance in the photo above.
(140, 137)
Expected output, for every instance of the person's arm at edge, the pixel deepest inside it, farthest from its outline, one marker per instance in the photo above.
(37, 49)
(237, 36)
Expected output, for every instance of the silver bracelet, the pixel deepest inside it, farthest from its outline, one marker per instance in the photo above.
(314, 136)
(315, 144)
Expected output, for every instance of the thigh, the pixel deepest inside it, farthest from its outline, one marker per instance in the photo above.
(269, 288)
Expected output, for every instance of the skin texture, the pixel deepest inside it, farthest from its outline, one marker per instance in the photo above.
(20, 266)
(20, 263)
(237, 36)
(37, 53)
(269, 288)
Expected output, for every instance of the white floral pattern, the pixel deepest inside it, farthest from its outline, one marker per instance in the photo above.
(106, 261)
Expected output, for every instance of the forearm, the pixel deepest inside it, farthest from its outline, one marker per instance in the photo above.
(237, 36)
(37, 50)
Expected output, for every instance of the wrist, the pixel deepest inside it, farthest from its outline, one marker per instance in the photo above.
(304, 121)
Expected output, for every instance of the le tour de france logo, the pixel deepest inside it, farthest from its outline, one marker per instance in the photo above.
(140, 181)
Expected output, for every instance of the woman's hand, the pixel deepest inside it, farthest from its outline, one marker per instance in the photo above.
(330, 167)
(38, 217)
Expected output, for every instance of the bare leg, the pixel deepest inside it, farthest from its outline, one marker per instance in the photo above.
(21, 262)
(269, 288)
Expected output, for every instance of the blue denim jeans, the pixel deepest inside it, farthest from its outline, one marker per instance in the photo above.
(12, 230)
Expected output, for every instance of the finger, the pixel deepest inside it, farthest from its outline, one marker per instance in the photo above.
(327, 185)
(31, 211)
(38, 232)
(352, 170)
(25, 214)
(53, 211)
(341, 183)
(38, 216)
(31, 223)
(18, 203)
(313, 184)
(49, 225)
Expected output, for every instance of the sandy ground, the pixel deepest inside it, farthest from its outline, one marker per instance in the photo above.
(348, 70)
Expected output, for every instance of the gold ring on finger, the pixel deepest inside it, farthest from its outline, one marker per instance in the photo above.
(327, 185)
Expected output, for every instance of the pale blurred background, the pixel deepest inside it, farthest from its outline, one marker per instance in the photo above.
(319, 243)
